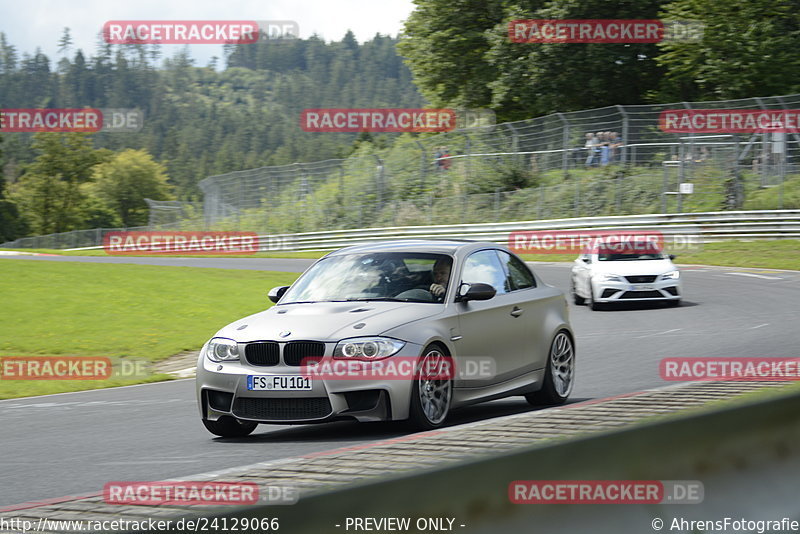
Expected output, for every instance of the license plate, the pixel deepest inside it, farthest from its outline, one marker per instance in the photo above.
(278, 383)
(641, 288)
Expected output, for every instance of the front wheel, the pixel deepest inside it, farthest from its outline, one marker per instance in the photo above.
(559, 376)
(432, 390)
(230, 427)
(577, 299)
(590, 299)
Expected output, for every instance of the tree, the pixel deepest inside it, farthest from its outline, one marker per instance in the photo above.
(461, 56)
(748, 48)
(11, 224)
(124, 181)
(50, 191)
(444, 43)
(65, 42)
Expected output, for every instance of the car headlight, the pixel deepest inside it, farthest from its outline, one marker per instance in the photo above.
(609, 278)
(367, 348)
(672, 275)
(221, 349)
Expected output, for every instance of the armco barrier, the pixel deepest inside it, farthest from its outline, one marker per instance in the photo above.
(708, 227)
(747, 457)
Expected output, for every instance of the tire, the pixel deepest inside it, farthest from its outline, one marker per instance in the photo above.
(578, 300)
(230, 427)
(559, 375)
(590, 299)
(430, 399)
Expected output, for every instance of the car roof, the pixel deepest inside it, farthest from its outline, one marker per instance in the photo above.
(441, 246)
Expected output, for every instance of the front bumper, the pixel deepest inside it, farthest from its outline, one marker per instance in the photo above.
(222, 391)
(627, 291)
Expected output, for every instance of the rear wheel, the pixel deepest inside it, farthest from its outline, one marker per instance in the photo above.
(559, 376)
(230, 427)
(432, 390)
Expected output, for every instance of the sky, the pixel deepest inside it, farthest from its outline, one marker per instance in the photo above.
(40, 23)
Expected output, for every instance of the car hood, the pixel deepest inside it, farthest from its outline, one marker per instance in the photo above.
(327, 321)
(626, 268)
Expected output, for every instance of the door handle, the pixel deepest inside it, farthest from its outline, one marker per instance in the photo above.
(516, 312)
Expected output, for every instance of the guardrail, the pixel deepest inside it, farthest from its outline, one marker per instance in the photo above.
(746, 457)
(706, 227)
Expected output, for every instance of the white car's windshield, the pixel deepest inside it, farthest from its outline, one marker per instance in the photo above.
(401, 276)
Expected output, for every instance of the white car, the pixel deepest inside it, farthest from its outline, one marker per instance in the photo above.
(607, 276)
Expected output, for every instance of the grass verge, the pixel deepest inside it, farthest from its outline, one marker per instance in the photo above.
(139, 312)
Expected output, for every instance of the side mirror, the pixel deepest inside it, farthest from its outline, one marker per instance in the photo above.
(672, 256)
(475, 292)
(276, 293)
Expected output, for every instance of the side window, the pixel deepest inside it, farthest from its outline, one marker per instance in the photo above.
(520, 277)
(484, 267)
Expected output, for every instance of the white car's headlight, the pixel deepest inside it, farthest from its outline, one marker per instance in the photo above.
(367, 348)
(609, 278)
(672, 275)
(221, 349)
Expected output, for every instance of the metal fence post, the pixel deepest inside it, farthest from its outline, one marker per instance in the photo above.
(623, 154)
(424, 164)
(379, 180)
(468, 156)
(540, 203)
(564, 145)
(514, 143)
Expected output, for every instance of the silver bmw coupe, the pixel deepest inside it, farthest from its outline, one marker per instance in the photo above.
(400, 330)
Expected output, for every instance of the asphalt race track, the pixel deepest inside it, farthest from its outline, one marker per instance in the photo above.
(74, 443)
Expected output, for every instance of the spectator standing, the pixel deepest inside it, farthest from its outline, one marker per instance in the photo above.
(592, 149)
(446, 161)
(605, 148)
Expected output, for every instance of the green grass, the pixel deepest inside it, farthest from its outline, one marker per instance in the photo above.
(778, 254)
(100, 252)
(119, 311)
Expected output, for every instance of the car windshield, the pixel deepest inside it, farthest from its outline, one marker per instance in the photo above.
(392, 276)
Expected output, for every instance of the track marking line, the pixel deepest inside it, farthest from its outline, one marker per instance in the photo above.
(758, 276)
(659, 333)
(96, 390)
